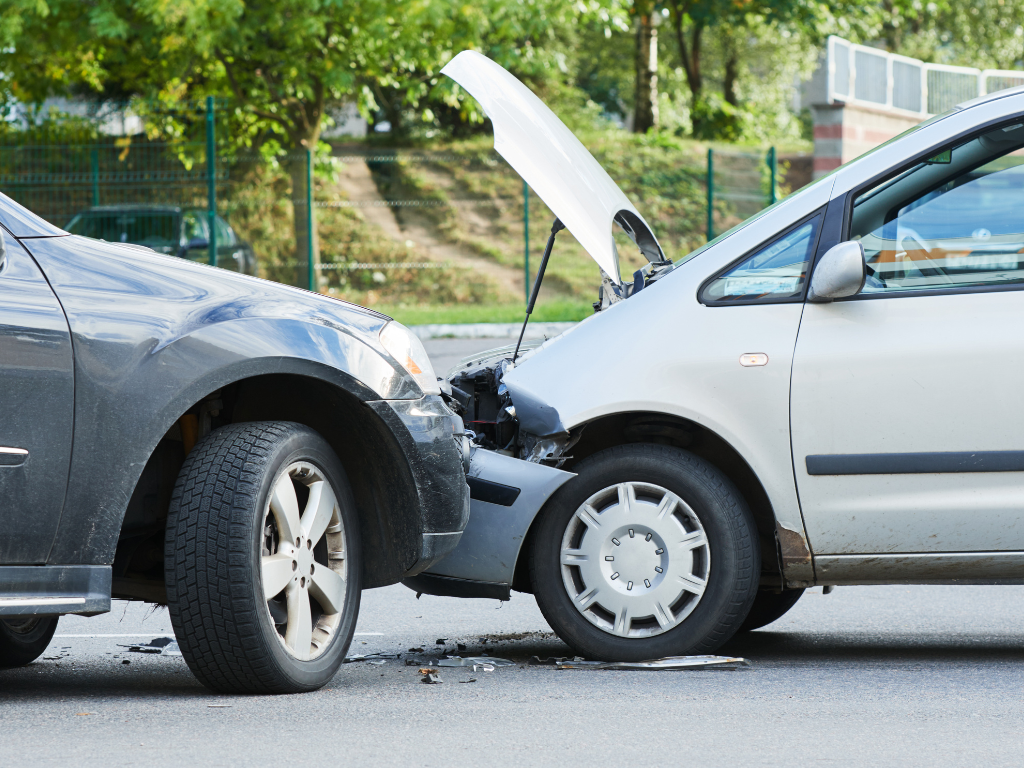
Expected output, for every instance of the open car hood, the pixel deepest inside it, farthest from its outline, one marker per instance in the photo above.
(554, 162)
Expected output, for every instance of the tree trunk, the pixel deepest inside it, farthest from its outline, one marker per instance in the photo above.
(298, 171)
(645, 113)
(732, 65)
(689, 53)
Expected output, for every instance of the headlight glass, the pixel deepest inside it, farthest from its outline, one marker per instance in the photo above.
(403, 345)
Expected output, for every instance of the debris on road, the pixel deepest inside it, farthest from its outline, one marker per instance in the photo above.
(471, 680)
(667, 663)
(373, 658)
(536, 660)
(165, 646)
(486, 663)
(440, 641)
(432, 679)
(415, 650)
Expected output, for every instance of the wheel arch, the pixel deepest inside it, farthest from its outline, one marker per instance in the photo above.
(666, 429)
(381, 479)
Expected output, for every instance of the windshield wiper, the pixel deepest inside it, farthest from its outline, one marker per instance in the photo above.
(557, 227)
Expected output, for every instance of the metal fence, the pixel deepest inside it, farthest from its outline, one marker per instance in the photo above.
(739, 184)
(858, 74)
(307, 229)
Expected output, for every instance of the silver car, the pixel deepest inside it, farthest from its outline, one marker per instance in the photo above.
(822, 396)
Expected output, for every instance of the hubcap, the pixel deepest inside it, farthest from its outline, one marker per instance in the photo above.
(635, 560)
(303, 560)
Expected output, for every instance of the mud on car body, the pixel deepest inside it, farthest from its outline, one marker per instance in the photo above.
(796, 403)
(249, 454)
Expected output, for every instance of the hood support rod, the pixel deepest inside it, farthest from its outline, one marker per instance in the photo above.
(557, 227)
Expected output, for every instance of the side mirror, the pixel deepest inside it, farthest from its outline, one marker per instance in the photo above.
(839, 273)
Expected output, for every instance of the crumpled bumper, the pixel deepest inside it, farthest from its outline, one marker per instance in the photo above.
(507, 494)
(435, 446)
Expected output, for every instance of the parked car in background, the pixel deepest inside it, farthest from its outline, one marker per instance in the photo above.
(824, 395)
(173, 230)
(249, 454)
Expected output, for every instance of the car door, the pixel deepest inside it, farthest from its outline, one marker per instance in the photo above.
(36, 408)
(906, 416)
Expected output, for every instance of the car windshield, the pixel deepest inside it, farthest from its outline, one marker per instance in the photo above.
(156, 229)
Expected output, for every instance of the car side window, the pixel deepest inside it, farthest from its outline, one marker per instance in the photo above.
(955, 220)
(225, 235)
(776, 272)
(194, 225)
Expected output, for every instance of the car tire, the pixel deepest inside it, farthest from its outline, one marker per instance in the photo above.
(262, 559)
(671, 563)
(769, 607)
(23, 639)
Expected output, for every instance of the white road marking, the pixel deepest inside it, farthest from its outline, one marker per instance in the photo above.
(158, 632)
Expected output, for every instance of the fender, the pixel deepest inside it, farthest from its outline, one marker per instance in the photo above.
(152, 335)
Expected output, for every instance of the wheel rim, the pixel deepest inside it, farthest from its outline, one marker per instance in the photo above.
(635, 560)
(304, 566)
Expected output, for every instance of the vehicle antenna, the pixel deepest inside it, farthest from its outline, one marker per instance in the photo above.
(555, 229)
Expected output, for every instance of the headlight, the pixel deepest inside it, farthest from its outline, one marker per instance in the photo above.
(403, 345)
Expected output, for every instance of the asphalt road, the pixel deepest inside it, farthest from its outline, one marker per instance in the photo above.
(865, 676)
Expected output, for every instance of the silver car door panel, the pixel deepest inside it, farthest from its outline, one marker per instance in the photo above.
(917, 377)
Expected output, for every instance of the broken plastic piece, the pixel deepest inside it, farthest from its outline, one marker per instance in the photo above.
(373, 658)
(667, 663)
(474, 661)
(432, 679)
(165, 646)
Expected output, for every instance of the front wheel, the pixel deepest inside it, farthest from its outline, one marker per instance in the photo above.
(23, 640)
(262, 559)
(648, 552)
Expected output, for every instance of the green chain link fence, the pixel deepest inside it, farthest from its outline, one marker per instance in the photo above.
(739, 184)
(451, 226)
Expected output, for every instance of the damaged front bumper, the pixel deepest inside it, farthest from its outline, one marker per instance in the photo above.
(433, 439)
(507, 494)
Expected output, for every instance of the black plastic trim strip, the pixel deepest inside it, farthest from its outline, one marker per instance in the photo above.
(449, 586)
(915, 463)
(491, 492)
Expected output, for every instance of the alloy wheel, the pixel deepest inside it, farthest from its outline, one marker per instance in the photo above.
(303, 561)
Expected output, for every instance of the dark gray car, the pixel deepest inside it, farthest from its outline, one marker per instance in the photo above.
(249, 454)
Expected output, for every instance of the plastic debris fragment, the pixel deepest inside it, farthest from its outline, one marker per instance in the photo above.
(373, 658)
(432, 679)
(474, 661)
(165, 646)
(667, 663)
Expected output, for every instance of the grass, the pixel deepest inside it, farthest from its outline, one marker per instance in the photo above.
(560, 310)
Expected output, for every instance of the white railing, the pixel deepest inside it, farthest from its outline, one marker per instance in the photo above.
(867, 76)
